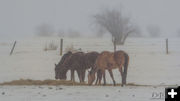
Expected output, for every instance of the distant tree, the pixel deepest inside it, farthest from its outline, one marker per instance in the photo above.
(45, 30)
(116, 24)
(154, 30)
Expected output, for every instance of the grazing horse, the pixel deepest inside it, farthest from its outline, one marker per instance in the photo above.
(71, 62)
(58, 68)
(108, 61)
(76, 62)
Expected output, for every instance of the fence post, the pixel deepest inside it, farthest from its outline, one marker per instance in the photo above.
(167, 51)
(61, 47)
(13, 48)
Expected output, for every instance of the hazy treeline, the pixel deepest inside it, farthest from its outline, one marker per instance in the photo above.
(107, 21)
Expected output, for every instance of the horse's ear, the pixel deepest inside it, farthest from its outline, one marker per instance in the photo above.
(55, 64)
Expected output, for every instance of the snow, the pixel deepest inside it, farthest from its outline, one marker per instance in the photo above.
(79, 93)
(149, 65)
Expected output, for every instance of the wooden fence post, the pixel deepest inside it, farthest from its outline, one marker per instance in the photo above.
(61, 47)
(167, 51)
(13, 48)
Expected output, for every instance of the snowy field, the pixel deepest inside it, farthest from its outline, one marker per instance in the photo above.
(80, 93)
(149, 65)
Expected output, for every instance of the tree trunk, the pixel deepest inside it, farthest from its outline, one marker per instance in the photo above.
(114, 43)
(119, 42)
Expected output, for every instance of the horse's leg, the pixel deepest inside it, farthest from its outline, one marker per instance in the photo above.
(83, 75)
(97, 79)
(125, 68)
(120, 70)
(79, 75)
(72, 75)
(103, 72)
(100, 77)
(124, 76)
(112, 77)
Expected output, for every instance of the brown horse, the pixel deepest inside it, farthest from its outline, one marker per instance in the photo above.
(58, 66)
(73, 63)
(108, 61)
(76, 62)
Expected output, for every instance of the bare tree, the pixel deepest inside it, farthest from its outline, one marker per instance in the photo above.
(116, 24)
(45, 30)
(154, 30)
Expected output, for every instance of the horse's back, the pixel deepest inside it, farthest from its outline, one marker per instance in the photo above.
(91, 55)
(103, 59)
(90, 58)
(112, 59)
(76, 60)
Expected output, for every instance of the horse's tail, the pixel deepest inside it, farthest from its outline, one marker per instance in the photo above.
(125, 67)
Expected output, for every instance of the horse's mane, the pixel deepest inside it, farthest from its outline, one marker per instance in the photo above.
(63, 58)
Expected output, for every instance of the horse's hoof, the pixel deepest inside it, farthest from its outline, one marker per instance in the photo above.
(90, 84)
(114, 83)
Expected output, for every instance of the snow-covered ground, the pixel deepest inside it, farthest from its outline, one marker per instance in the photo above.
(149, 65)
(80, 93)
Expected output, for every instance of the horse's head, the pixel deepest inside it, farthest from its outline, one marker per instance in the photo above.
(60, 72)
(91, 77)
(60, 68)
(57, 71)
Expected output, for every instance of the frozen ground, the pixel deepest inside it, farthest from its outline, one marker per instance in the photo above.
(80, 93)
(149, 65)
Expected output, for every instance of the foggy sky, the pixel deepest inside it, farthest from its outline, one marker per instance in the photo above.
(20, 17)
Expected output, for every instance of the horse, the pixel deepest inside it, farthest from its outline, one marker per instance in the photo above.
(77, 62)
(58, 68)
(70, 61)
(108, 61)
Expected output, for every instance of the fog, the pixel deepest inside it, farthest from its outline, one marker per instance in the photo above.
(19, 18)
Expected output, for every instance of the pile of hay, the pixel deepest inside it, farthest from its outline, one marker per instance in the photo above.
(40, 82)
(49, 82)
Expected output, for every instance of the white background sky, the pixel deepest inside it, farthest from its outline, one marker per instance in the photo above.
(20, 17)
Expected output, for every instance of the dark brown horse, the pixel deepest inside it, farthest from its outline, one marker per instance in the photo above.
(58, 68)
(76, 62)
(108, 61)
(70, 61)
